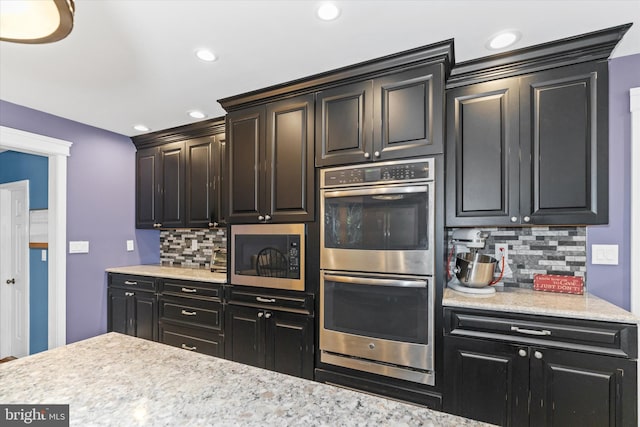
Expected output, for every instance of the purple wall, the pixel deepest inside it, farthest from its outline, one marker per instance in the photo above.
(612, 282)
(100, 209)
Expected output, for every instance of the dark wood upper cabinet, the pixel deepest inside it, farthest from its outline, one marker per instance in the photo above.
(527, 135)
(392, 116)
(160, 186)
(270, 162)
(178, 182)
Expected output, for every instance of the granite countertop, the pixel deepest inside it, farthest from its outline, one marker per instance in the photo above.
(116, 379)
(528, 301)
(183, 273)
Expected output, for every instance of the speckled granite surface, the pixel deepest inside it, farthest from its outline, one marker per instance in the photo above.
(117, 380)
(199, 274)
(527, 301)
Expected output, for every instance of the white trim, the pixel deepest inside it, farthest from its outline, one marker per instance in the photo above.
(57, 150)
(635, 200)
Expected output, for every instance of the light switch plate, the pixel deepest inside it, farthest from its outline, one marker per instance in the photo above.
(79, 247)
(130, 246)
(604, 254)
(194, 245)
(43, 255)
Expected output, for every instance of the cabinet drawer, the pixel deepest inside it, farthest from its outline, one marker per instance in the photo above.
(192, 311)
(295, 302)
(191, 289)
(192, 339)
(618, 339)
(132, 282)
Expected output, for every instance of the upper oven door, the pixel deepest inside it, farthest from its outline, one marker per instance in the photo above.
(387, 228)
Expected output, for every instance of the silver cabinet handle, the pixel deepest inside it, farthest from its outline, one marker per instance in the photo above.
(526, 219)
(129, 282)
(129, 294)
(189, 313)
(514, 219)
(186, 347)
(267, 217)
(367, 155)
(260, 314)
(260, 218)
(537, 355)
(269, 300)
(522, 352)
(267, 315)
(377, 154)
(530, 331)
(213, 224)
(191, 291)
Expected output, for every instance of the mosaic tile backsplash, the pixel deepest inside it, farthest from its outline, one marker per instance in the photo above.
(538, 250)
(176, 246)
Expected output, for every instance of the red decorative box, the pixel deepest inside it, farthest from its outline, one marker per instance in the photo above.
(558, 283)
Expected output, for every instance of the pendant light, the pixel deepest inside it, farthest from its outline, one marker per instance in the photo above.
(35, 21)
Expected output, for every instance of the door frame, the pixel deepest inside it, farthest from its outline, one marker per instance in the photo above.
(26, 311)
(57, 151)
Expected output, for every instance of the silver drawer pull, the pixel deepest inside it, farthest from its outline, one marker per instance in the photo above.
(530, 331)
(191, 291)
(189, 313)
(129, 282)
(260, 299)
(186, 347)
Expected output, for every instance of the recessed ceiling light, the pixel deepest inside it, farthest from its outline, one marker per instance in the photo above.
(328, 11)
(503, 39)
(141, 128)
(196, 114)
(206, 55)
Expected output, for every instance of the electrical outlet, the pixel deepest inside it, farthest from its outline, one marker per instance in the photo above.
(194, 245)
(130, 246)
(502, 250)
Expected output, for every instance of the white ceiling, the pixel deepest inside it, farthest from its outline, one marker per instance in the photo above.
(132, 61)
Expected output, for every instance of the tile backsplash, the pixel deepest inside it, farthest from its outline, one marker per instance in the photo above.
(176, 246)
(538, 250)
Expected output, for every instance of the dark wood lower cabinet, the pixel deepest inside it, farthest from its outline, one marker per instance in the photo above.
(588, 377)
(132, 312)
(271, 339)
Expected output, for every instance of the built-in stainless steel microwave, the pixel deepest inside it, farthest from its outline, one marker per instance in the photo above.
(268, 255)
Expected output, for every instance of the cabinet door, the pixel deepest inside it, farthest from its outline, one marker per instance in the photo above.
(244, 335)
(201, 181)
(344, 131)
(147, 188)
(408, 114)
(289, 344)
(482, 186)
(172, 184)
(576, 389)
(289, 160)
(246, 130)
(564, 145)
(118, 319)
(144, 315)
(486, 381)
(221, 188)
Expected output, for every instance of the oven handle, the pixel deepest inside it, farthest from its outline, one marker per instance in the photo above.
(379, 282)
(376, 190)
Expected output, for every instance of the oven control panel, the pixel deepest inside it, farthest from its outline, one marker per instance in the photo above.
(405, 171)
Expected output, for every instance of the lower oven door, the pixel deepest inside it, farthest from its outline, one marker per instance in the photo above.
(378, 323)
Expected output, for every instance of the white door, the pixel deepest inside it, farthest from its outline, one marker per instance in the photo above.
(14, 269)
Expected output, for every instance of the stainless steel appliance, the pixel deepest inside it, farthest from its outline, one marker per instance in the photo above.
(268, 255)
(377, 259)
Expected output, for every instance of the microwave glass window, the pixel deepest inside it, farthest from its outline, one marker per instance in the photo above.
(392, 313)
(377, 222)
(267, 255)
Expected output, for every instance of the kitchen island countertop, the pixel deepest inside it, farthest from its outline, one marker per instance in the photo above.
(180, 273)
(115, 379)
(528, 301)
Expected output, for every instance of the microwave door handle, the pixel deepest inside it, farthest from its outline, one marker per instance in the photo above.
(379, 282)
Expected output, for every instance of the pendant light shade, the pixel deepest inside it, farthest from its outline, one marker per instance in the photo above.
(35, 21)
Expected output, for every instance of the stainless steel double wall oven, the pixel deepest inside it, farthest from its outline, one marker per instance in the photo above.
(377, 264)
